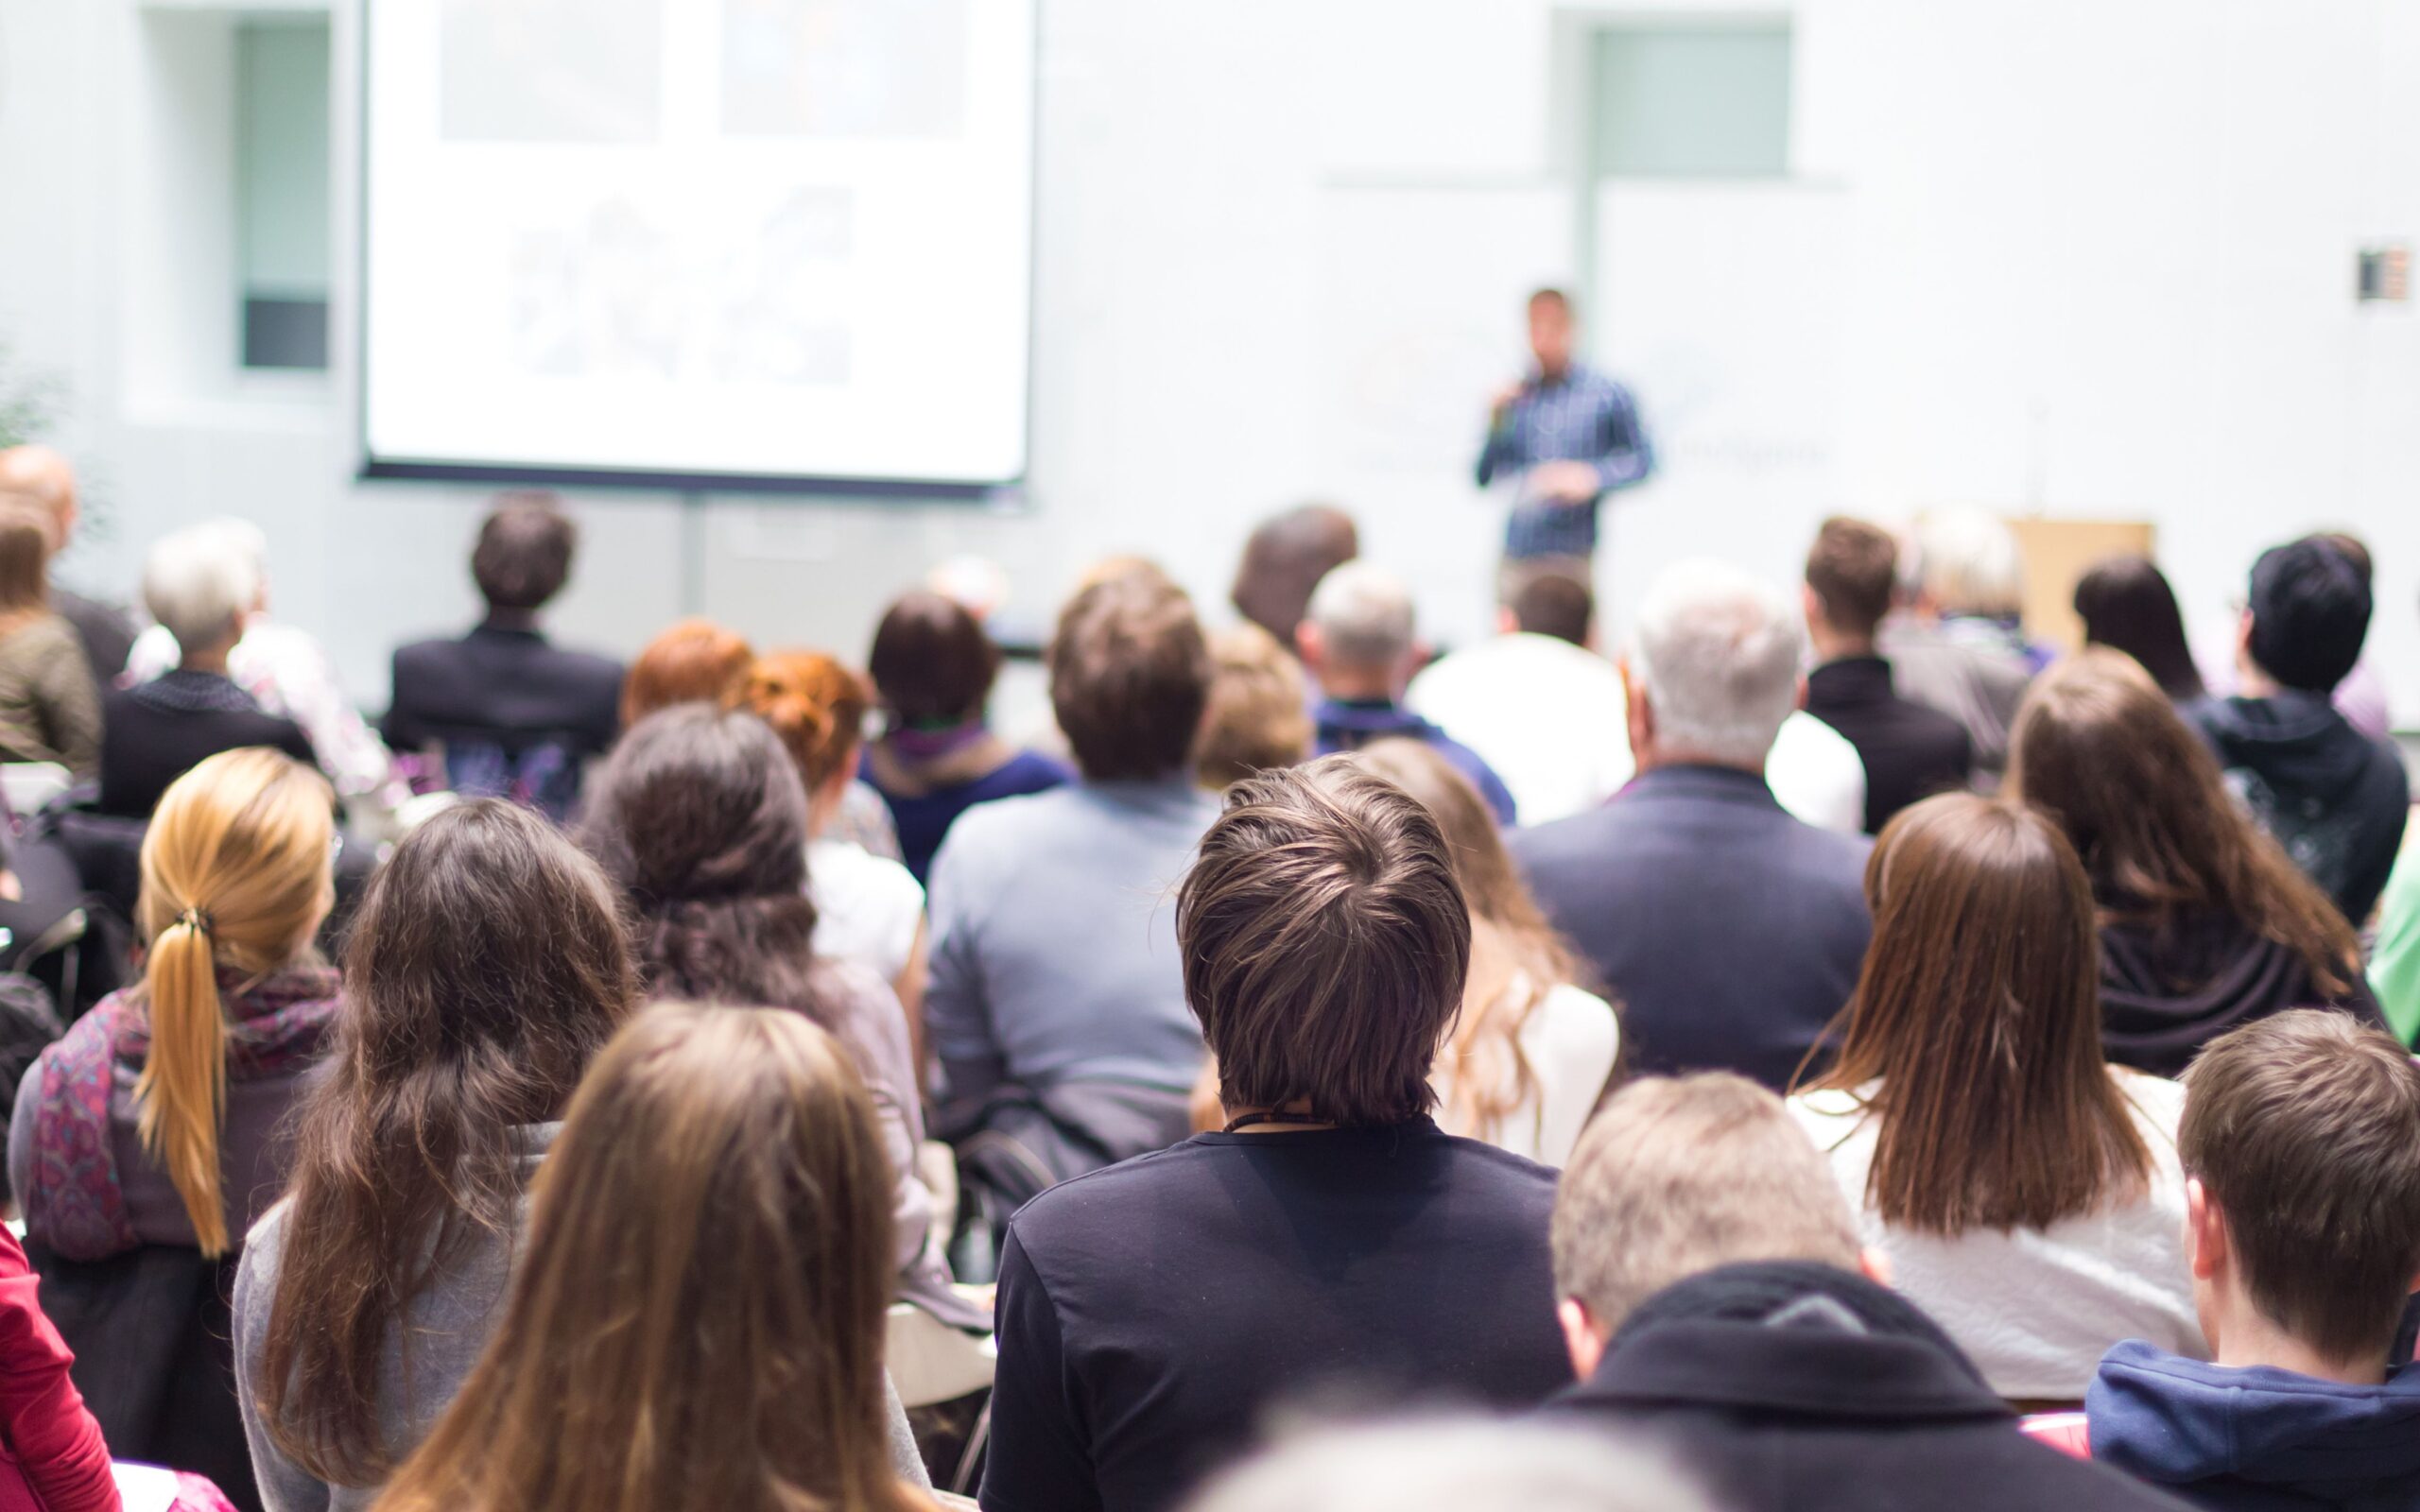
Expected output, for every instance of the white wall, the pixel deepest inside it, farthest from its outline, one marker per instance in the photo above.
(2073, 257)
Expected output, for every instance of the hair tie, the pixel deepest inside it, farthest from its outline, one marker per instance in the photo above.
(195, 920)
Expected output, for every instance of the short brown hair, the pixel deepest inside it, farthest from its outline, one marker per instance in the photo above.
(25, 538)
(1853, 567)
(1260, 711)
(1285, 558)
(1130, 674)
(524, 555)
(1676, 1176)
(932, 665)
(693, 660)
(2305, 1130)
(817, 706)
(1324, 942)
(1554, 603)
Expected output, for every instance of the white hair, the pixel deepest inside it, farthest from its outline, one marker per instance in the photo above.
(1453, 1465)
(199, 582)
(1717, 652)
(1969, 561)
(1364, 615)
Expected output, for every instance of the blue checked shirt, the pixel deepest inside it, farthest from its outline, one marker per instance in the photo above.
(1582, 417)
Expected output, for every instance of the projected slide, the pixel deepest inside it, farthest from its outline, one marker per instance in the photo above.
(756, 242)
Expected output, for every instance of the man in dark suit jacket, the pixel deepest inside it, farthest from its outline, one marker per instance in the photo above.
(1910, 750)
(513, 713)
(1731, 933)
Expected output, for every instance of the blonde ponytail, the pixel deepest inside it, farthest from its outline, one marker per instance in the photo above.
(236, 874)
(181, 1095)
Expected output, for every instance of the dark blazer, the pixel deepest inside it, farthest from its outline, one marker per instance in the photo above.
(1730, 932)
(1910, 751)
(106, 632)
(155, 734)
(512, 687)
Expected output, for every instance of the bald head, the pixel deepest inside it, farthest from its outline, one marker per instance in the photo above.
(43, 475)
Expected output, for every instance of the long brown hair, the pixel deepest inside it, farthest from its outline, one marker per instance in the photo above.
(236, 872)
(486, 968)
(26, 530)
(1492, 1074)
(1978, 1013)
(2100, 750)
(698, 1323)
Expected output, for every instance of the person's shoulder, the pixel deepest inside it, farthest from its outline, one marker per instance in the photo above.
(1027, 770)
(1064, 1218)
(1578, 840)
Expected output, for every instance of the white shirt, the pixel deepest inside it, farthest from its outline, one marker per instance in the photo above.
(867, 908)
(1569, 1041)
(1551, 720)
(2036, 1308)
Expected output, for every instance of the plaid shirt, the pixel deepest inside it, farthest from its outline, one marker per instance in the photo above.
(1584, 417)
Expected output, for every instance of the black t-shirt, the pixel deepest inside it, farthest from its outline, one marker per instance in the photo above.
(1149, 1314)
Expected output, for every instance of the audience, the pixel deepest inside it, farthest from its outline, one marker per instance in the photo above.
(2301, 1138)
(2025, 1193)
(1532, 1051)
(1284, 560)
(43, 475)
(48, 709)
(1540, 707)
(2335, 798)
(200, 583)
(1712, 1307)
(2362, 697)
(1909, 750)
(510, 714)
(1955, 646)
(1331, 1237)
(1359, 643)
(697, 1323)
(701, 819)
(154, 1121)
(2205, 922)
(1056, 1005)
(2125, 604)
(932, 668)
(1449, 1465)
(484, 970)
(1730, 932)
(1259, 713)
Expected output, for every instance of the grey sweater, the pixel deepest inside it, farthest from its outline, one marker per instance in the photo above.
(448, 1325)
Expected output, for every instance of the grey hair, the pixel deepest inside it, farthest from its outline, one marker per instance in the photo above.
(1364, 614)
(1970, 561)
(1453, 1465)
(1718, 654)
(197, 582)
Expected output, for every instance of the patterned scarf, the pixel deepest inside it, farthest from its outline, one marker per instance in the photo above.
(73, 1202)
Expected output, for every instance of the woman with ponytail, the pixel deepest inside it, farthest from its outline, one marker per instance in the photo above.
(151, 1122)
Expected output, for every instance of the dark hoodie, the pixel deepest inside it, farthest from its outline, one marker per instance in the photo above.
(1349, 723)
(2166, 990)
(2258, 1439)
(2335, 798)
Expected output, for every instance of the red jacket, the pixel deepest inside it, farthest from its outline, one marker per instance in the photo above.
(52, 1458)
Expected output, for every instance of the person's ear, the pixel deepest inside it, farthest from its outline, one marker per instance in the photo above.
(1421, 653)
(1810, 603)
(1506, 621)
(1641, 716)
(1580, 1339)
(2205, 1232)
(1798, 700)
(1309, 645)
(1873, 1265)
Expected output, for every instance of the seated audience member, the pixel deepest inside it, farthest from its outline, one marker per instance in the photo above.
(288, 675)
(2394, 960)
(866, 908)
(2335, 798)
(41, 475)
(1711, 1303)
(2301, 1138)
(1956, 646)
(1538, 702)
(697, 1322)
(2126, 604)
(699, 816)
(181, 1079)
(2360, 697)
(48, 709)
(1449, 1465)
(1331, 1238)
(512, 714)
(2205, 922)
(1361, 647)
(2025, 1191)
(1729, 931)
(932, 668)
(1285, 558)
(199, 583)
(57, 1459)
(1259, 713)
(1533, 1051)
(1056, 1004)
(1908, 749)
(486, 967)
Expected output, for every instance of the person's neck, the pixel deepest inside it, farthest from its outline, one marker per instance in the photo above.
(2253, 682)
(510, 619)
(210, 660)
(1835, 645)
(1353, 685)
(1244, 1119)
(1655, 758)
(2242, 1338)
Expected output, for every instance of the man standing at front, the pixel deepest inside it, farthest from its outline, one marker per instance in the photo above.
(1569, 436)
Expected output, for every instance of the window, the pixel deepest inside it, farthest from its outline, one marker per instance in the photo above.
(1693, 101)
(281, 221)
